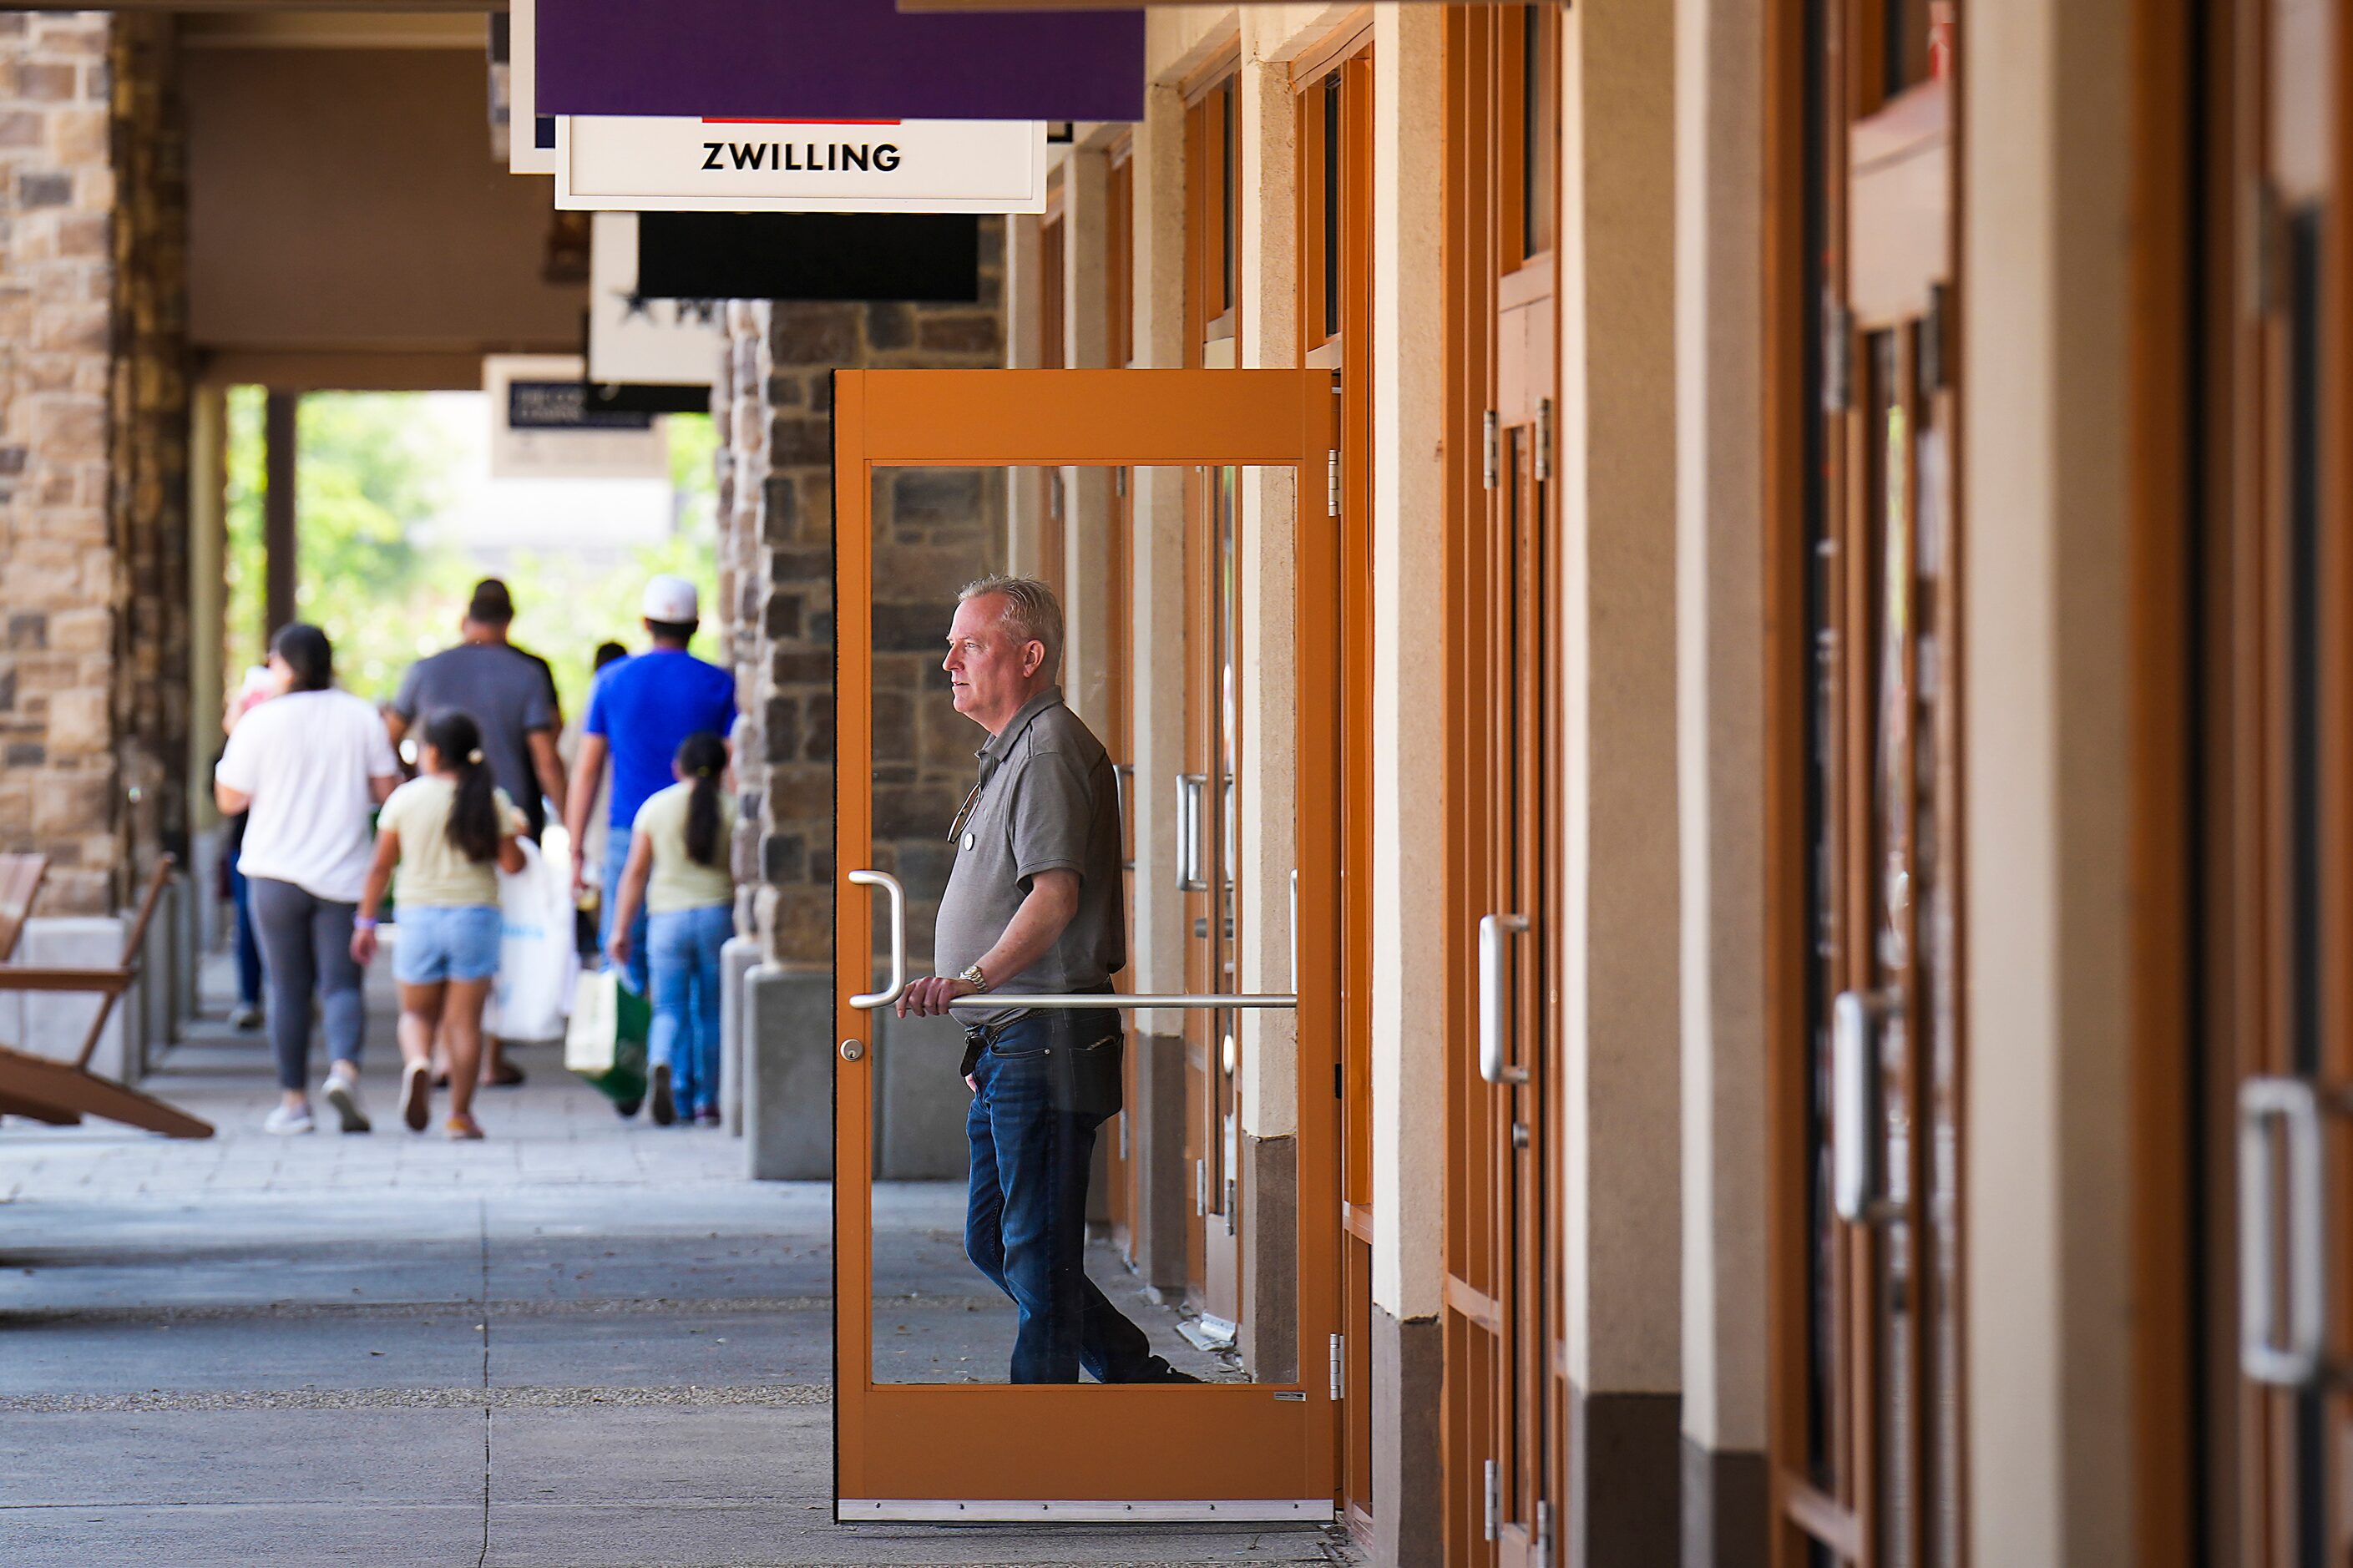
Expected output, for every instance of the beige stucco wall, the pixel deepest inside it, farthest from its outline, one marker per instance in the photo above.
(2046, 777)
(1721, 744)
(1268, 121)
(1619, 943)
(1410, 821)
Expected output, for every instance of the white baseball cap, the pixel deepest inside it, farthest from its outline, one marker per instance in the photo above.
(672, 599)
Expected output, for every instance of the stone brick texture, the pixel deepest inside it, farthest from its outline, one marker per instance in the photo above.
(93, 528)
(935, 530)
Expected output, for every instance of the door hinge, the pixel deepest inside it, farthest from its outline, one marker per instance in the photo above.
(1119, 483)
(1543, 438)
(1544, 1535)
(1490, 458)
(1331, 482)
(1838, 356)
(1200, 1187)
(1123, 1134)
(1494, 1498)
(1339, 1367)
(1231, 1204)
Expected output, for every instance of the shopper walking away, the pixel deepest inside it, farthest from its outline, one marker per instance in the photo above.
(258, 685)
(678, 867)
(639, 713)
(1033, 908)
(511, 695)
(449, 830)
(310, 765)
(589, 849)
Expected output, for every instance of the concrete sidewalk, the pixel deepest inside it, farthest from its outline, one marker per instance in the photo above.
(581, 1342)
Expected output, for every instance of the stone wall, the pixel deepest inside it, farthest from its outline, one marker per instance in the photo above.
(92, 738)
(936, 529)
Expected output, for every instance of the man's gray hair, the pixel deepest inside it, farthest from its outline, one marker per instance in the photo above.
(1031, 613)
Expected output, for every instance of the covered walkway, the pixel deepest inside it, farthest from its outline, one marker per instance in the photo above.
(581, 1342)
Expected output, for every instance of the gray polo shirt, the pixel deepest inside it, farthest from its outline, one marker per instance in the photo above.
(1048, 801)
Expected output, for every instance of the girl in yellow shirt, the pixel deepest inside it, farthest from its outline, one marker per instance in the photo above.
(678, 865)
(450, 831)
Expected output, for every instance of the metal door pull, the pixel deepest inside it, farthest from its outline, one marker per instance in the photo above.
(1494, 1064)
(869, 1000)
(2293, 1106)
(1858, 1105)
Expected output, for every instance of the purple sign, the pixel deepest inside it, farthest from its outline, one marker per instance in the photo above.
(837, 59)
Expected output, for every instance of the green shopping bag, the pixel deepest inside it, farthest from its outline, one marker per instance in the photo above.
(605, 1042)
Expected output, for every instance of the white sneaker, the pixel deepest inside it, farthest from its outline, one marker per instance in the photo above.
(287, 1120)
(344, 1094)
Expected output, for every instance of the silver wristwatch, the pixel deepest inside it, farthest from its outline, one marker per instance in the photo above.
(974, 978)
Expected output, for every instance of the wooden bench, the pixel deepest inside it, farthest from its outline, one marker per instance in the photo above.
(60, 1092)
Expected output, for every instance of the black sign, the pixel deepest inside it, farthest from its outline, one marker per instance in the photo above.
(928, 258)
(565, 405)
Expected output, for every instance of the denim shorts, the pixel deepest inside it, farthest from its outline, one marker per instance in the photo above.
(446, 941)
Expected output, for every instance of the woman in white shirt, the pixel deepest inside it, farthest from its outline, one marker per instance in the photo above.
(312, 765)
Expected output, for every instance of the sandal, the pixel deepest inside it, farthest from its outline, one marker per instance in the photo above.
(417, 1095)
(462, 1128)
(509, 1076)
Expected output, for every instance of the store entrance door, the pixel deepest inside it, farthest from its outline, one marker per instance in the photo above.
(928, 1426)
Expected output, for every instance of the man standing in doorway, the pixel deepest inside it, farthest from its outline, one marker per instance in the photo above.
(1033, 908)
(511, 695)
(638, 711)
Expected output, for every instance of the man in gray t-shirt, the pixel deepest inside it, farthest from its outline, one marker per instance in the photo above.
(510, 694)
(1033, 908)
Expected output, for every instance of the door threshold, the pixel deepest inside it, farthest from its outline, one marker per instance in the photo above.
(927, 1510)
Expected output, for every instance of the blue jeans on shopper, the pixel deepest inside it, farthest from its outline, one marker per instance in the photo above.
(617, 855)
(1026, 1225)
(248, 946)
(683, 948)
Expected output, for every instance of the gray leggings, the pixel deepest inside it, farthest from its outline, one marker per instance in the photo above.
(306, 942)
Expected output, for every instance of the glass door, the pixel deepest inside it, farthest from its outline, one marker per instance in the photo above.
(939, 1415)
(1868, 1419)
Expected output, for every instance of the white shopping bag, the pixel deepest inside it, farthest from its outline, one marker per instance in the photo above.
(537, 960)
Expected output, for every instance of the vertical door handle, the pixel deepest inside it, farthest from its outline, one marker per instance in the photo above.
(1858, 1105)
(898, 896)
(1192, 791)
(2291, 1105)
(1494, 1065)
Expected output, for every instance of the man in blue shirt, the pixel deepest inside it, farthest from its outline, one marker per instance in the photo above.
(638, 711)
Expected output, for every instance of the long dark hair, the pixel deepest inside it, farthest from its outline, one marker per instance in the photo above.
(701, 758)
(474, 814)
(308, 653)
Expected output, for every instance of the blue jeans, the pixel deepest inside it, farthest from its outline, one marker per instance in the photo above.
(248, 946)
(684, 953)
(617, 855)
(1026, 1227)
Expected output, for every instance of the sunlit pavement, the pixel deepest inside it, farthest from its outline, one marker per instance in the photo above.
(579, 1342)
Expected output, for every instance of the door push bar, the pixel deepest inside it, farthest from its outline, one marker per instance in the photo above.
(867, 1002)
(2291, 1105)
(1858, 1106)
(1494, 1056)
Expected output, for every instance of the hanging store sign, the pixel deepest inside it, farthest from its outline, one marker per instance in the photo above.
(614, 163)
(542, 425)
(845, 59)
(934, 258)
(634, 340)
(531, 136)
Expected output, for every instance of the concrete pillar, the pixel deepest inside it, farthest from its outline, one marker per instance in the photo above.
(1025, 494)
(1157, 703)
(1618, 946)
(2047, 767)
(1268, 1080)
(279, 529)
(1721, 754)
(1410, 819)
(1087, 498)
